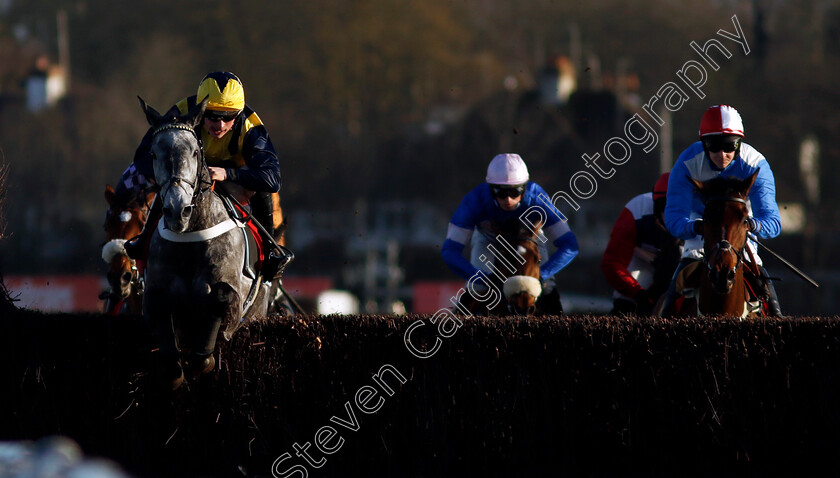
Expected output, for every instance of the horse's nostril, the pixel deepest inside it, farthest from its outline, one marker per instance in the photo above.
(126, 277)
(730, 276)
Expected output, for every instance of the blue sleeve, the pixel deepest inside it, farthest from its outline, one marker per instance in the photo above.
(567, 249)
(263, 173)
(679, 202)
(452, 253)
(143, 158)
(763, 203)
(553, 215)
(461, 225)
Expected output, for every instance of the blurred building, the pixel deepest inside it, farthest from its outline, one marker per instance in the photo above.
(45, 85)
(557, 81)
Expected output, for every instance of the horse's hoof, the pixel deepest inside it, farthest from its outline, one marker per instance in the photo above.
(169, 373)
(200, 365)
(177, 382)
(209, 364)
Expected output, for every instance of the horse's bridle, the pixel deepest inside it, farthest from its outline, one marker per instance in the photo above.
(523, 237)
(724, 245)
(198, 192)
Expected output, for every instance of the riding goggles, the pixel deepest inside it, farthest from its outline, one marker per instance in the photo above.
(507, 192)
(221, 115)
(716, 145)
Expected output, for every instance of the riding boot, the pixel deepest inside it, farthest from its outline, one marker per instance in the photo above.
(262, 210)
(769, 294)
(138, 246)
(671, 295)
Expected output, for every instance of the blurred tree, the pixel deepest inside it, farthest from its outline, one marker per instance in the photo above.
(348, 89)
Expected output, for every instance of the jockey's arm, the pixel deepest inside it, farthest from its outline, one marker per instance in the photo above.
(263, 171)
(678, 206)
(567, 249)
(619, 253)
(452, 253)
(139, 176)
(143, 160)
(558, 233)
(458, 235)
(763, 203)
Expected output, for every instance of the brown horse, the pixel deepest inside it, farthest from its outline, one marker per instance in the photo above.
(123, 222)
(722, 290)
(514, 278)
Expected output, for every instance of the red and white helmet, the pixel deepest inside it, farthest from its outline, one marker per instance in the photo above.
(721, 119)
(507, 170)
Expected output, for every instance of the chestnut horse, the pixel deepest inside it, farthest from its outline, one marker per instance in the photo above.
(123, 222)
(514, 277)
(722, 290)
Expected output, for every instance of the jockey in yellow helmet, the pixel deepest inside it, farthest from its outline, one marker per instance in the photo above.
(236, 146)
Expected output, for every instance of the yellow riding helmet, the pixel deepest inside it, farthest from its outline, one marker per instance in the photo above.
(225, 91)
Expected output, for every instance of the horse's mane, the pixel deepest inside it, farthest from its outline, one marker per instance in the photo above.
(720, 186)
(723, 184)
(511, 227)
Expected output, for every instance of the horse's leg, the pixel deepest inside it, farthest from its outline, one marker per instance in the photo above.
(736, 301)
(222, 305)
(157, 312)
(279, 222)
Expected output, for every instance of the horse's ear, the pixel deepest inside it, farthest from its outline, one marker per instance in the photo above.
(173, 112)
(197, 112)
(109, 195)
(747, 183)
(152, 116)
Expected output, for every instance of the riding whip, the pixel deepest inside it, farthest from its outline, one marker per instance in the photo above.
(289, 256)
(786, 263)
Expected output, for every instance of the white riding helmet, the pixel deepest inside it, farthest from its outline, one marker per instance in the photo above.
(507, 170)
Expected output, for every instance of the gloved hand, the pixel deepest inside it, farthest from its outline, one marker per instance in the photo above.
(752, 224)
(548, 285)
(698, 227)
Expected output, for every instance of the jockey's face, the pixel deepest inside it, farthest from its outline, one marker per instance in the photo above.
(721, 159)
(217, 125)
(508, 203)
(722, 149)
(508, 197)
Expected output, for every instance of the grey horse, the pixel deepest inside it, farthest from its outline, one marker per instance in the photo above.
(196, 289)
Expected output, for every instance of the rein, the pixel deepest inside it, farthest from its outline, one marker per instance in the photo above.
(198, 192)
(724, 245)
(725, 199)
(531, 239)
(198, 195)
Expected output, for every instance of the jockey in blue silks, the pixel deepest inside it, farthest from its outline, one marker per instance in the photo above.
(721, 152)
(506, 193)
